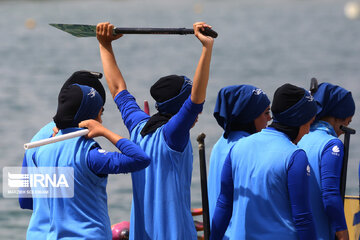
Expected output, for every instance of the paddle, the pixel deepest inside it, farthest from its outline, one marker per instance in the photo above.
(204, 192)
(82, 30)
(347, 132)
(56, 139)
(314, 86)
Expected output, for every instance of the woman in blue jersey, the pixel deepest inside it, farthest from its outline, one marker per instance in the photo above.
(325, 152)
(161, 192)
(85, 215)
(240, 110)
(264, 181)
(82, 77)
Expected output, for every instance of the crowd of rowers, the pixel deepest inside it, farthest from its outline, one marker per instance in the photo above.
(272, 175)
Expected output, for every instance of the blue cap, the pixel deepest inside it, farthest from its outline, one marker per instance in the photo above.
(90, 106)
(335, 101)
(239, 104)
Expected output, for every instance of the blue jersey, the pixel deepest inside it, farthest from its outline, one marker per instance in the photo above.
(161, 200)
(39, 224)
(325, 153)
(98, 161)
(161, 192)
(261, 209)
(85, 216)
(217, 159)
(264, 188)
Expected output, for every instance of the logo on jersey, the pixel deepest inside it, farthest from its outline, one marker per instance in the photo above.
(309, 98)
(258, 91)
(92, 93)
(187, 80)
(101, 151)
(336, 151)
(308, 170)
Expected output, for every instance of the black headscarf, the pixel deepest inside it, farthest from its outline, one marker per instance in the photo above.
(77, 103)
(87, 78)
(292, 107)
(170, 93)
(71, 96)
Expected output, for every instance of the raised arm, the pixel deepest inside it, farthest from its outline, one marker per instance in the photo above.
(113, 76)
(201, 77)
(177, 129)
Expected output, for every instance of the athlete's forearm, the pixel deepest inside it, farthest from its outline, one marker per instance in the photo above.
(111, 136)
(112, 72)
(132, 158)
(201, 77)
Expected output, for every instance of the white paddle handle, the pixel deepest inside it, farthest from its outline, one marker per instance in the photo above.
(56, 139)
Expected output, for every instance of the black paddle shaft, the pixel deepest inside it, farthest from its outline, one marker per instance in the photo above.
(182, 31)
(204, 192)
(313, 86)
(348, 131)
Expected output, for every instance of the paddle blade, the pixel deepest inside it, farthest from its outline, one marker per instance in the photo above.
(77, 30)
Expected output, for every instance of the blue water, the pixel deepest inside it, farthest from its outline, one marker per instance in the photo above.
(264, 43)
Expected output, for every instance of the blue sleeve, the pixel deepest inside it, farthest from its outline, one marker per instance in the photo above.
(25, 203)
(129, 109)
(298, 187)
(330, 175)
(132, 159)
(177, 130)
(224, 204)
